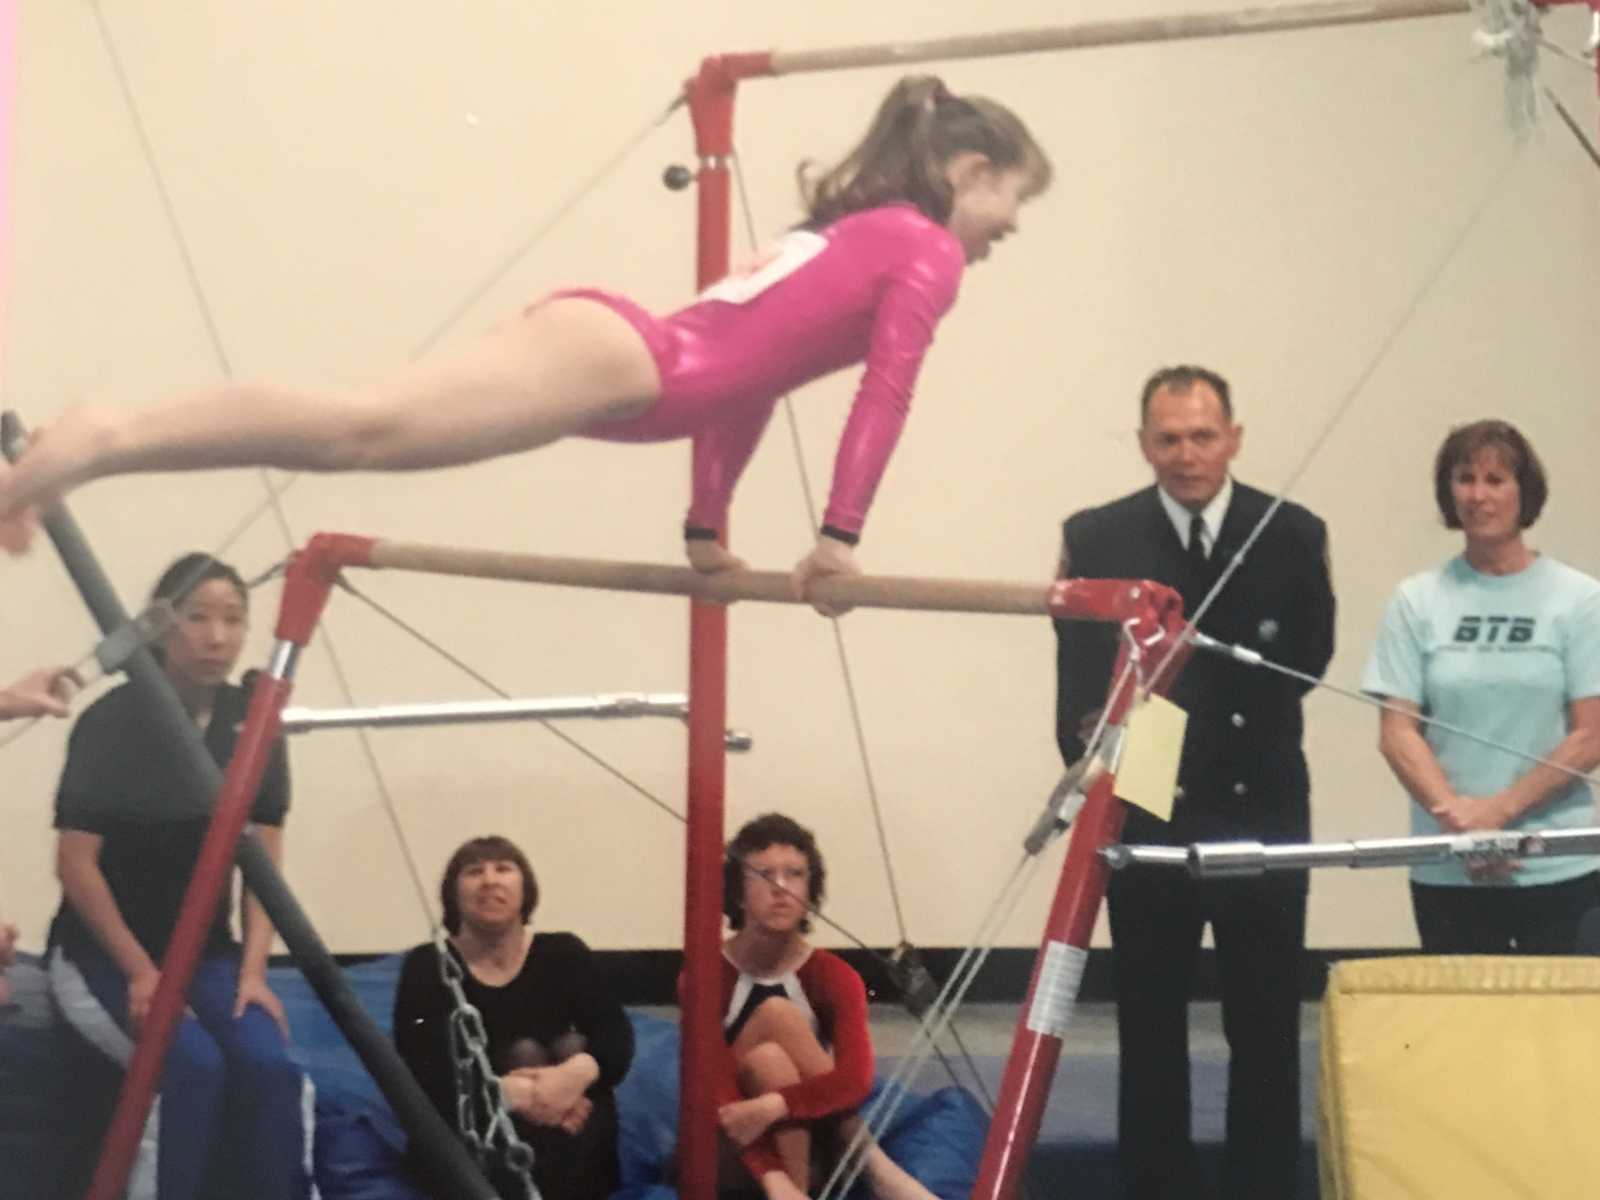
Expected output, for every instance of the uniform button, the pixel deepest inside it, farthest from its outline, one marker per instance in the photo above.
(1239, 788)
(1238, 720)
(1177, 793)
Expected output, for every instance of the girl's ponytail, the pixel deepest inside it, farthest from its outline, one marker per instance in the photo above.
(917, 130)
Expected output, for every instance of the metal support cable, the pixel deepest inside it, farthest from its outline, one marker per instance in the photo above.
(1386, 344)
(851, 697)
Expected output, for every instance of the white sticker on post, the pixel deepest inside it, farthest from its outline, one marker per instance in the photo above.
(1056, 994)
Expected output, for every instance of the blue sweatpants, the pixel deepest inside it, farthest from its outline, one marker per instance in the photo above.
(234, 1113)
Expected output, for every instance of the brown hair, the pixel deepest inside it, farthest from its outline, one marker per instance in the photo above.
(180, 581)
(919, 127)
(771, 829)
(492, 848)
(1503, 437)
(1180, 380)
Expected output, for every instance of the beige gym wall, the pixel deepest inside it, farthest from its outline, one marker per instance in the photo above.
(346, 174)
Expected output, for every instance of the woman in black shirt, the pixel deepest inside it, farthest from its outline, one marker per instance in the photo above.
(233, 1116)
(558, 1040)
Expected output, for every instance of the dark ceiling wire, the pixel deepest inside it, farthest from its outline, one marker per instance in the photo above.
(1373, 700)
(343, 680)
(555, 731)
(273, 500)
(1571, 124)
(851, 696)
(368, 751)
(169, 208)
(638, 788)
(1446, 258)
(203, 306)
(509, 262)
(513, 257)
(191, 272)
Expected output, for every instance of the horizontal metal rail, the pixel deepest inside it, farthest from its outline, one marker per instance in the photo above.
(480, 712)
(1222, 860)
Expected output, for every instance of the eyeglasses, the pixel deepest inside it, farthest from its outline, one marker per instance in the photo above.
(787, 877)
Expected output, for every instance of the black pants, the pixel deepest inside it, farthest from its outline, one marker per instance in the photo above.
(1157, 917)
(581, 1166)
(1473, 919)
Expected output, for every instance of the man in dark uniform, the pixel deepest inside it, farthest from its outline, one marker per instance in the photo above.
(1243, 776)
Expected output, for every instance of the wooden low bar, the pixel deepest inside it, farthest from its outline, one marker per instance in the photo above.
(725, 587)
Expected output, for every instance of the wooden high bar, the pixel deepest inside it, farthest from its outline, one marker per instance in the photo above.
(1119, 32)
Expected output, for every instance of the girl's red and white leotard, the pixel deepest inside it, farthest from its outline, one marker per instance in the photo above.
(828, 988)
(870, 286)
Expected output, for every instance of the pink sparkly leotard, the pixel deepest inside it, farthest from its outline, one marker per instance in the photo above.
(870, 286)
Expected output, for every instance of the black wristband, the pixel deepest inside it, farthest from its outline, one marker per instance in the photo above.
(841, 535)
(699, 533)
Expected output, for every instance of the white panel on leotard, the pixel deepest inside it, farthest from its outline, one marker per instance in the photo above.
(789, 981)
(778, 261)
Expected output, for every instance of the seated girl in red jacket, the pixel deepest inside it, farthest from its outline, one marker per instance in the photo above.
(799, 1061)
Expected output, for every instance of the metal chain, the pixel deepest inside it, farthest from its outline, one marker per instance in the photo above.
(480, 1099)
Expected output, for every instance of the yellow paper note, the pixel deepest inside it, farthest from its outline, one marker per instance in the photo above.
(1152, 745)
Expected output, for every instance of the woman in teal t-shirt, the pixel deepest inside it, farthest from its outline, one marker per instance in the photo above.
(1504, 642)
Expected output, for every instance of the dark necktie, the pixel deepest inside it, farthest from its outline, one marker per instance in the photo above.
(1197, 540)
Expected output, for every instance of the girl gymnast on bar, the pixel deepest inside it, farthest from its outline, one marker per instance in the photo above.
(867, 276)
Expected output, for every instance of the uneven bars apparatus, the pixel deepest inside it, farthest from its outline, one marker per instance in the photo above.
(1151, 614)
(710, 95)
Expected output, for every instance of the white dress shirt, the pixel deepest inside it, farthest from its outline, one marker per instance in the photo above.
(1211, 515)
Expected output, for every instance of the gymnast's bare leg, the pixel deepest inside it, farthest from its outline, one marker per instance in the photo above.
(563, 366)
(776, 1048)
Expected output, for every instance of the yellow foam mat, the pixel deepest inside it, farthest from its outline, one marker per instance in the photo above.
(1464, 1078)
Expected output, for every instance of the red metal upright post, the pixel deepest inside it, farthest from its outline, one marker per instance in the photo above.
(710, 94)
(1058, 969)
(211, 873)
(309, 579)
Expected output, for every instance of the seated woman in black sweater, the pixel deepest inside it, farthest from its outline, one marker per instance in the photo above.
(558, 1040)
